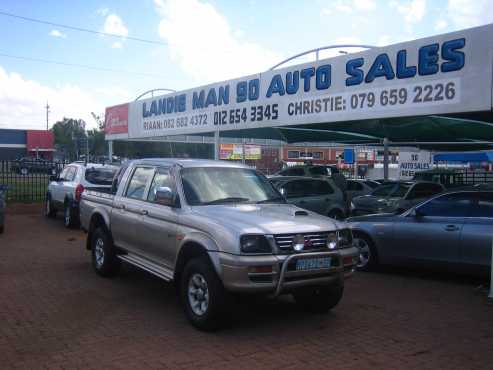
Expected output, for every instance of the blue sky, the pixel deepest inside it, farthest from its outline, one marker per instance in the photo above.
(206, 41)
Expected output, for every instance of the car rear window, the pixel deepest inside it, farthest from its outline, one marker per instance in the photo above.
(100, 175)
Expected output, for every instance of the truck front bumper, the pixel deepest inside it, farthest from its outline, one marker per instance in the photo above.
(276, 274)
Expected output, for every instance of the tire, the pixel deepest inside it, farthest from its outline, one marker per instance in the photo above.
(368, 256)
(2, 229)
(70, 216)
(335, 214)
(49, 210)
(202, 295)
(24, 171)
(319, 299)
(104, 259)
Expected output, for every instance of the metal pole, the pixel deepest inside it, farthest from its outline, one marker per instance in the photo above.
(217, 140)
(47, 115)
(110, 150)
(355, 169)
(243, 150)
(386, 159)
(491, 279)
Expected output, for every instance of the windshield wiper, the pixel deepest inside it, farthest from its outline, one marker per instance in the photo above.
(276, 199)
(227, 200)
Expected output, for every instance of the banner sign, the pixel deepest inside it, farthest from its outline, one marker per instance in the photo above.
(412, 162)
(235, 151)
(437, 75)
(116, 119)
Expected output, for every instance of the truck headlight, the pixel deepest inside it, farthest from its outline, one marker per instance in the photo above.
(255, 244)
(332, 241)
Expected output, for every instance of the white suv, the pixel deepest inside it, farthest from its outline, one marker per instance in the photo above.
(64, 190)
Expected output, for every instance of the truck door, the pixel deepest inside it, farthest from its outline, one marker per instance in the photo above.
(158, 228)
(127, 211)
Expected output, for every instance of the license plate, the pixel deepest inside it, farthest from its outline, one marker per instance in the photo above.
(313, 263)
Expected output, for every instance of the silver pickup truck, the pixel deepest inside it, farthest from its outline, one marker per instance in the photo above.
(216, 228)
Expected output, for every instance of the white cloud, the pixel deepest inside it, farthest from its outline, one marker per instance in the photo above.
(205, 45)
(348, 40)
(384, 40)
(117, 45)
(56, 33)
(22, 102)
(349, 6)
(412, 11)
(103, 11)
(114, 25)
(467, 13)
(364, 5)
(441, 24)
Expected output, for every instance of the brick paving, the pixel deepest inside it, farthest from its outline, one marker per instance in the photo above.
(56, 313)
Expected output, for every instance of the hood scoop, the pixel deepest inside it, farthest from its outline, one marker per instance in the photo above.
(301, 213)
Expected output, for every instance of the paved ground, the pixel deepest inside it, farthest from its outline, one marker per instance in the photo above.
(56, 313)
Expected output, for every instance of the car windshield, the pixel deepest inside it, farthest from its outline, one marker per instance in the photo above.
(391, 190)
(100, 175)
(220, 185)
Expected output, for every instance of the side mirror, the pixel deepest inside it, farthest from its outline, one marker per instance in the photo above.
(418, 213)
(164, 196)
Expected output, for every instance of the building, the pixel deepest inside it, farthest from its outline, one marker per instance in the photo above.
(26, 143)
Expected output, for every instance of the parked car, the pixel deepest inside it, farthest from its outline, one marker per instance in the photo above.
(317, 171)
(318, 195)
(214, 228)
(3, 188)
(453, 178)
(356, 188)
(27, 165)
(394, 197)
(64, 191)
(453, 229)
(306, 170)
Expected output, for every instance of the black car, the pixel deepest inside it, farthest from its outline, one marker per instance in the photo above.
(27, 165)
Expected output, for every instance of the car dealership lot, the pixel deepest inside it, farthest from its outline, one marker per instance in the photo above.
(55, 312)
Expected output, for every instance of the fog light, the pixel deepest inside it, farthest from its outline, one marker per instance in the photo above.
(260, 269)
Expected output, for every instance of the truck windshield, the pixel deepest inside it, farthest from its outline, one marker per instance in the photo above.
(220, 185)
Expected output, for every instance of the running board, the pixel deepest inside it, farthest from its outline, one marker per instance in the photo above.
(144, 264)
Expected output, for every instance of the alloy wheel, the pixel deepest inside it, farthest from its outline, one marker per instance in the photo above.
(99, 252)
(364, 252)
(198, 294)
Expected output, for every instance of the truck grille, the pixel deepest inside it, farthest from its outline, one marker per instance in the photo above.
(313, 241)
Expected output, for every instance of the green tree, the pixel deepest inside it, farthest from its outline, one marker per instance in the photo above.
(67, 132)
(97, 144)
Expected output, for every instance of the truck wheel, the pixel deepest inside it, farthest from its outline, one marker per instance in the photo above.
(70, 217)
(2, 229)
(104, 259)
(368, 258)
(320, 299)
(202, 294)
(24, 171)
(50, 211)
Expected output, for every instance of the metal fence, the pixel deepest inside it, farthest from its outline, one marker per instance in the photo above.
(27, 180)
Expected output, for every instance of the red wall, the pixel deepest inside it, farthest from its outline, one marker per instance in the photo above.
(39, 139)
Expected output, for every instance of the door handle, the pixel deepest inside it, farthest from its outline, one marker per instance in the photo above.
(451, 228)
(144, 212)
(120, 206)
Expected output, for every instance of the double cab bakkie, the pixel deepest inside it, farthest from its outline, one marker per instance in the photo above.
(216, 229)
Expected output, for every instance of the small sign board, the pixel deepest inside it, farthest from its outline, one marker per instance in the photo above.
(412, 162)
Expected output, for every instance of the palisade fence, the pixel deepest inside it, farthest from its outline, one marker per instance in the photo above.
(27, 180)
